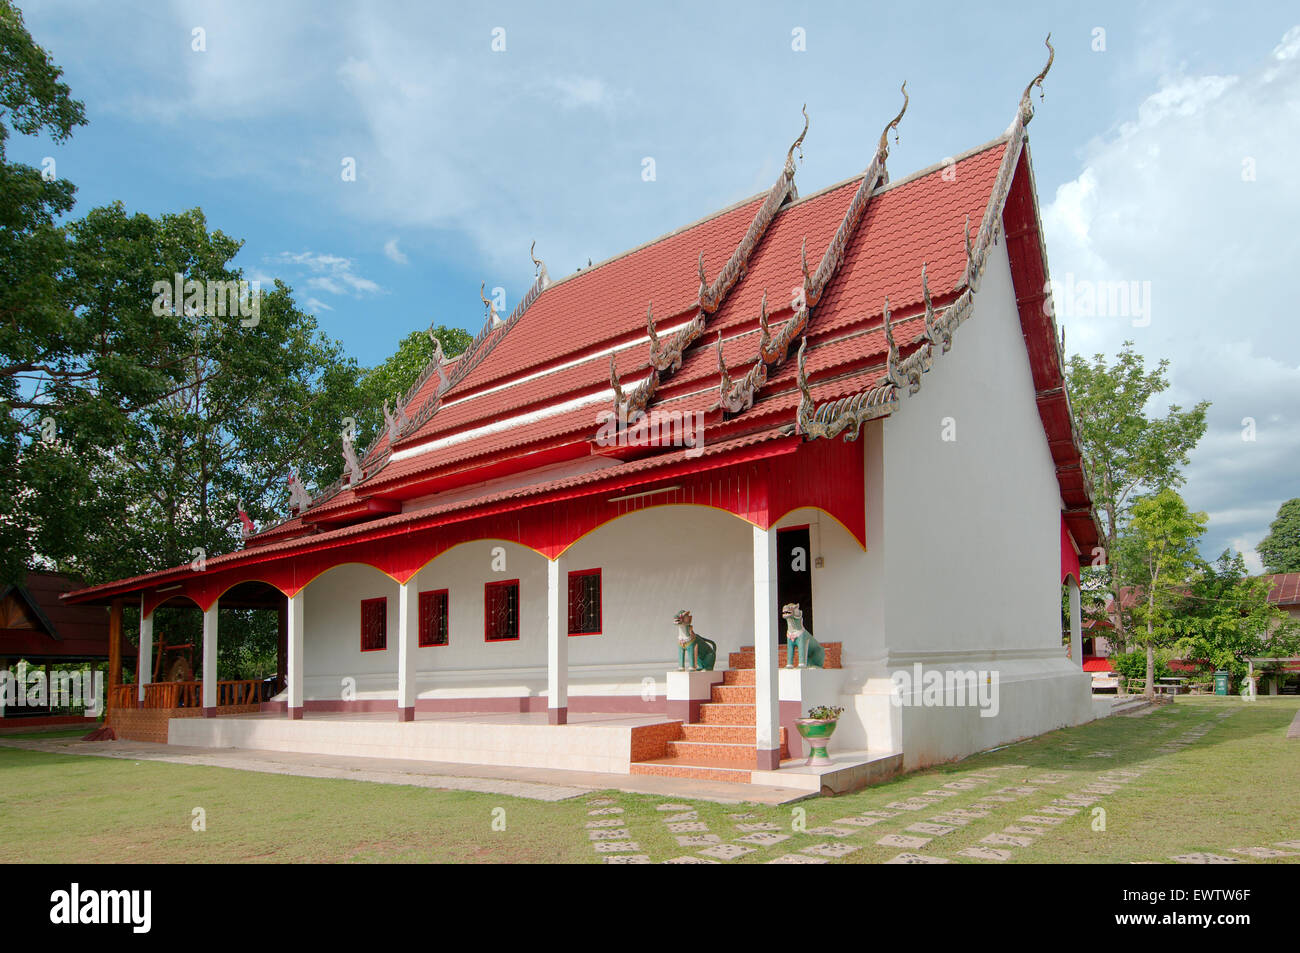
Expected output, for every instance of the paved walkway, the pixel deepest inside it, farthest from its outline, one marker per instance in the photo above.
(539, 784)
(1294, 730)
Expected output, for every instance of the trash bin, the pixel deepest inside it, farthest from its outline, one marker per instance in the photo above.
(1221, 678)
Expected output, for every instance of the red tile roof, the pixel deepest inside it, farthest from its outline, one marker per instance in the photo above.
(540, 383)
(1285, 589)
(577, 321)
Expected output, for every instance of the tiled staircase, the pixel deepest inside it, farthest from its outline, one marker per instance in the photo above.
(721, 746)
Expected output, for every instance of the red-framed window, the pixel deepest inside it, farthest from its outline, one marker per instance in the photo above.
(584, 602)
(501, 611)
(434, 619)
(374, 625)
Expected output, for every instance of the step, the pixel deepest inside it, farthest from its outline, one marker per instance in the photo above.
(733, 694)
(726, 734)
(679, 768)
(744, 659)
(738, 676)
(711, 753)
(715, 713)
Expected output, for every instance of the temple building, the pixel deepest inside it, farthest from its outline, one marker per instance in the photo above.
(852, 401)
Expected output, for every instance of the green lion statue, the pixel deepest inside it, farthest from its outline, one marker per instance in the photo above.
(693, 647)
(811, 653)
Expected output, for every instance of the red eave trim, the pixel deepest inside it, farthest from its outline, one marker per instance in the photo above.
(514, 501)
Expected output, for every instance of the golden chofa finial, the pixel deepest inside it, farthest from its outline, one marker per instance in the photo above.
(1026, 106)
(798, 143)
(883, 147)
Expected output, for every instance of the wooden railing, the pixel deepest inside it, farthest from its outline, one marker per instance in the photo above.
(190, 694)
(245, 692)
(122, 696)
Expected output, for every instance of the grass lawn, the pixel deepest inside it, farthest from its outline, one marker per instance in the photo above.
(1203, 775)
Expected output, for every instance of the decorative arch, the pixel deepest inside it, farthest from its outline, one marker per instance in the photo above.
(466, 542)
(161, 600)
(825, 475)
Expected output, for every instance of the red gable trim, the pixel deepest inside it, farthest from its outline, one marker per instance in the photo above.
(1069, 558)
(1029, 278)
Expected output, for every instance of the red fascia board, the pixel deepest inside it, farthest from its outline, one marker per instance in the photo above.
(360, 509)
(1029, 279)
(504, 463)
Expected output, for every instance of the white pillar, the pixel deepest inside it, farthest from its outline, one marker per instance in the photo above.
(210, 661)
(293, 674)
(767, 703)
(557, 642)
(1076, 622)
(144, 663)
(408, 636)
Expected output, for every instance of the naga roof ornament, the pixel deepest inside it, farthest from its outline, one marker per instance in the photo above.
(846, 415)
(712, 295)
(937, 332)
(834, 255)
(1016, 137)
(627, 406)
(828, 419)
(667, 358)
(354, 471)
(539, 266)
(776, 350)
(299, 498)
(733, 398)
(906, 371)
(493, 319)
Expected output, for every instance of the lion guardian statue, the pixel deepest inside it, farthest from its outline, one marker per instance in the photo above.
(692, 647)
(811, 653)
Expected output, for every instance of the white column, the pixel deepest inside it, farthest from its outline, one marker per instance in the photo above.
(210, 661)
(1076, 622)
(408, 636)
(144, 662)
(293, 674)
(767, 703)
(557, 642)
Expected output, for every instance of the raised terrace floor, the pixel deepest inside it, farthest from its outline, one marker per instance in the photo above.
(594, 742)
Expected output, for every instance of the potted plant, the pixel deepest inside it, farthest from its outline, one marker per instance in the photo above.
(816, 730)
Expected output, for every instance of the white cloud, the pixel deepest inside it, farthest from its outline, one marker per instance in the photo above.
(315, 305)
(394, 253)
(1197, 195)
(332, 274)
(576, 92)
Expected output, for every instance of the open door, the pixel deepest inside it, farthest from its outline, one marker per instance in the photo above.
(794, 575)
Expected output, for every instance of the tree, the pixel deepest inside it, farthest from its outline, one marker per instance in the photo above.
(1160, 559)
(1229, 619)
(1280, 549)
(1128, 452)
(33, 99)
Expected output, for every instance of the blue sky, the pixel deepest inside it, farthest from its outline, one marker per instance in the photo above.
(465, 154)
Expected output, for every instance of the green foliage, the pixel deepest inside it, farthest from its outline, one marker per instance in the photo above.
(1128, 452)
(1227, 618)
(1160, 560)
(33, 99)
(1134, 665)
(826, 712)
(1280, 549)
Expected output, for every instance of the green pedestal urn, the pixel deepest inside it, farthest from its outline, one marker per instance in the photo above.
(816, 731)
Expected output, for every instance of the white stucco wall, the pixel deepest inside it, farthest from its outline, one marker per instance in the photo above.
(961, 572)
(969, 542)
